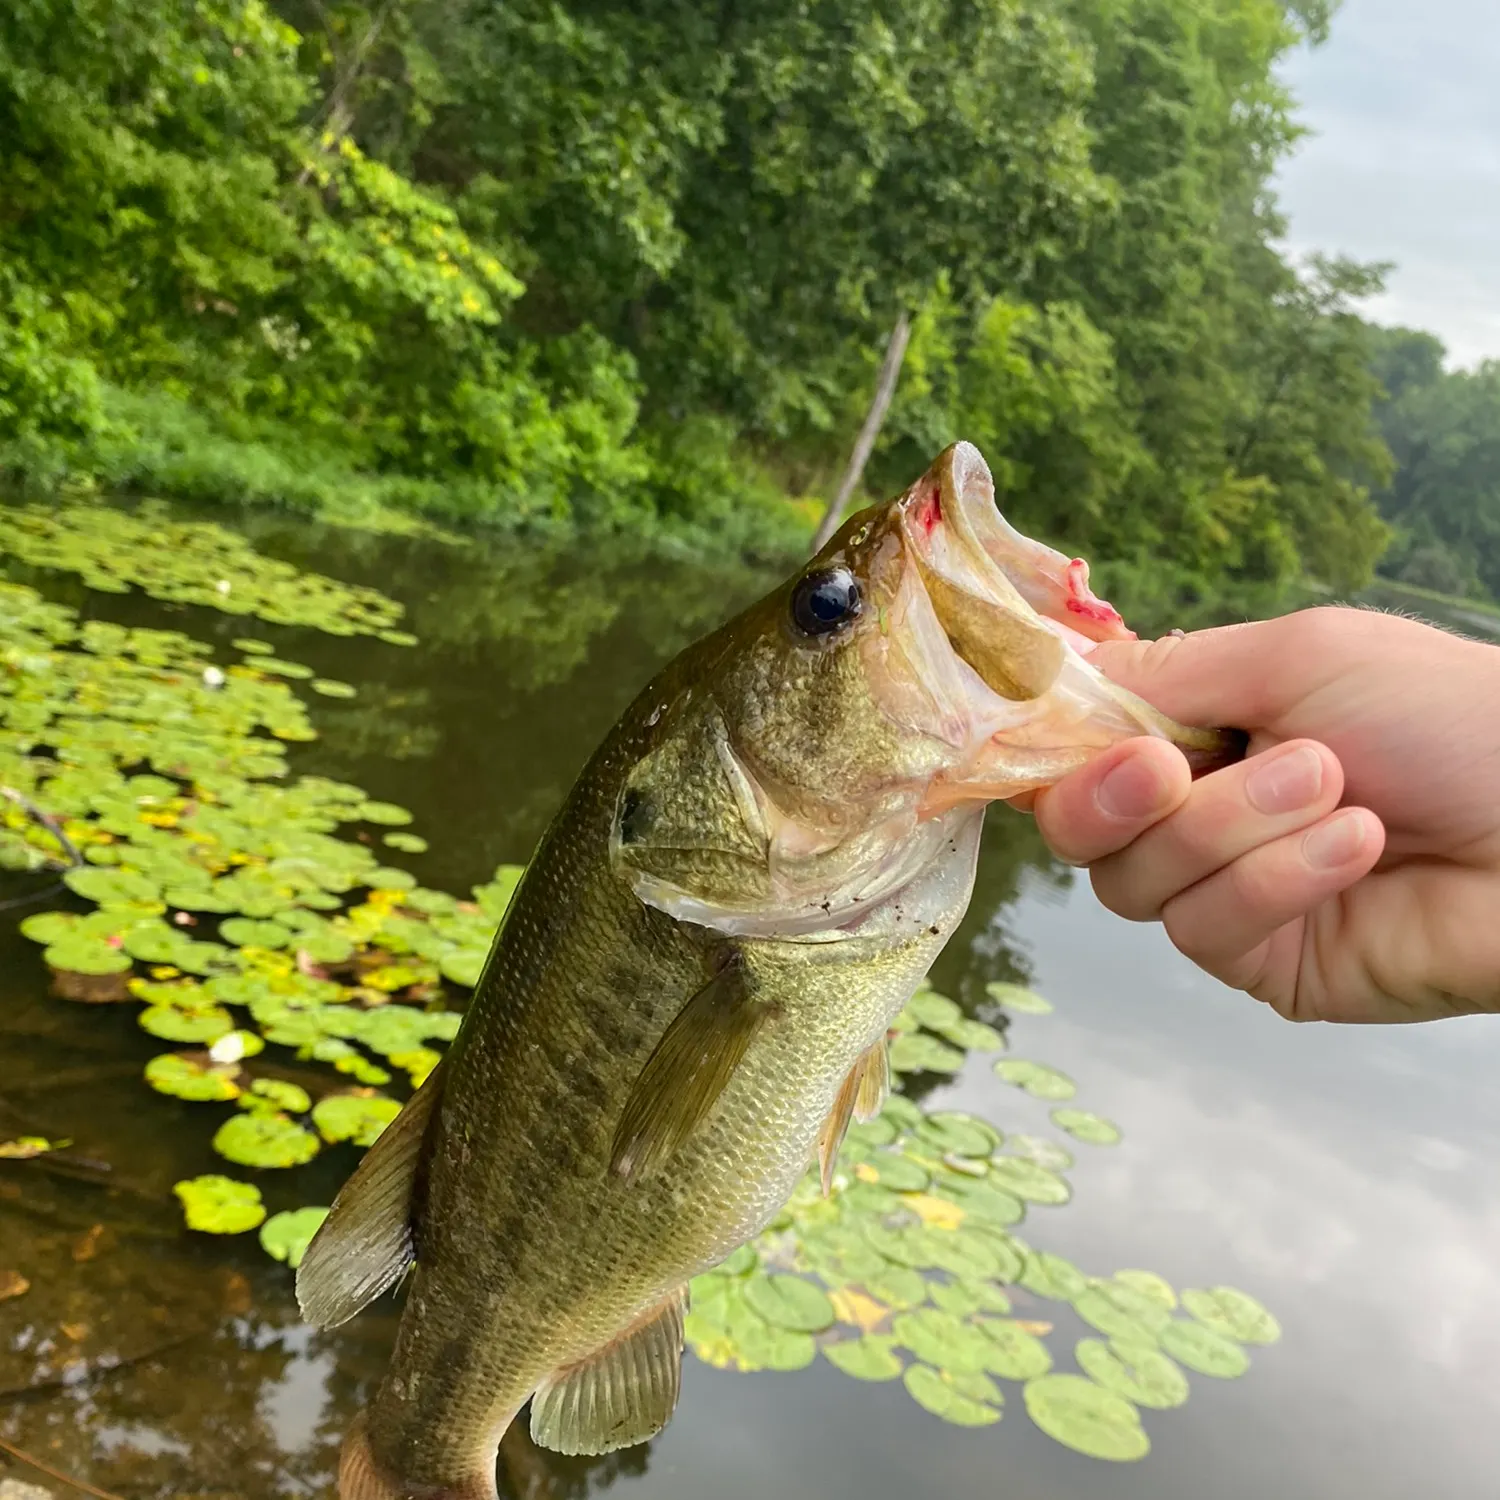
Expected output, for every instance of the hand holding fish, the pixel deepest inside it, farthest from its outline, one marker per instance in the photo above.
(1349, 870)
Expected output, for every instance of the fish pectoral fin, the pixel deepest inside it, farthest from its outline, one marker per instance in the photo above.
(860, 1097)
(623, 1394)
(366, 1244)
(690, 1068)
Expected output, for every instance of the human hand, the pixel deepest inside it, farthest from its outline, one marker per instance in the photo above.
(1349, 869)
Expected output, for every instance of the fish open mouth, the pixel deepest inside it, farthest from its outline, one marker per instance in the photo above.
(1022, 700)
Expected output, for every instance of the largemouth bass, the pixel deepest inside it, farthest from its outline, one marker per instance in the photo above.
(689, 997)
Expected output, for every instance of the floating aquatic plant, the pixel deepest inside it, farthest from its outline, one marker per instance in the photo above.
(220, 1205)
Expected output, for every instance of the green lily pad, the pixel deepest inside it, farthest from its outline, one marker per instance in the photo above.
(1149, 1284)
(1038, 1080)
(741, 1263)
(330, 687)
(1083, 1416)
(940, 1338)
(1045, 1153)
(965, 1298)
(1119, 1312)
(152, 942)
(913, 1052)
(286, 1236)
(86, 955)
(1236, 1315)
(1140, 1373)
(108, 887)
(387, 813)
(186, 1078)
(293, 669)
(872, 1357)
(326, 947)
(972, 1036)
(1053, 1277)
(1203, 1350)
(1014, 1353)
(248, 646)
(1093, 1130)
(262, 1140)
(790, 1302)
(354, 1117)
(960, 1134)
(933, 1010)
(220, 1205)
(1019, 999)
(276, 1094)
(1029, 1181)
(898, 1287)
(898, 1174)
(173, 1023)
(930, 1389)
(249, 932)
(47, 927)
(396, 637)
(407, 843)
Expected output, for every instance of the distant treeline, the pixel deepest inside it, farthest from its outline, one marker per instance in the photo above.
(636, 264)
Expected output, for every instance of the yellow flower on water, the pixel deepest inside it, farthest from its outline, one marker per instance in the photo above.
(936, 1213)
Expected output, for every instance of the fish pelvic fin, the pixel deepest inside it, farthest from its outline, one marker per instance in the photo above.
(621, 1395)
(363, 1477)
(860, 1097)
(690, 1068)
(367, 1242)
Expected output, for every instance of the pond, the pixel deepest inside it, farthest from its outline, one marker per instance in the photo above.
(1345, 1179)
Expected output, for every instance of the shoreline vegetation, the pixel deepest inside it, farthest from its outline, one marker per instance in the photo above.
(577, 269)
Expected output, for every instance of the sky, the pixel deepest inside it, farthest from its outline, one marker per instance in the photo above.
(1403, 163)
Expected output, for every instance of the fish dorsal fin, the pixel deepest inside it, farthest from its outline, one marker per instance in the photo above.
(623, 1394)
(860, 1097)
(690, 1068)
(366, 1244)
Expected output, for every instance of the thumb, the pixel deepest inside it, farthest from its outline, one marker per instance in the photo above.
(1236, 676)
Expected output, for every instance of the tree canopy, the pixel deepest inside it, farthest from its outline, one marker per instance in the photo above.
(608, 262)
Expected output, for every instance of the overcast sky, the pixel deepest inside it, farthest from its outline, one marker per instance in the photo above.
(1404, 161)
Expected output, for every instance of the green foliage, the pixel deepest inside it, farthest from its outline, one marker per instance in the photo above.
(220, 1205)
(547, 264)
(1443, 428)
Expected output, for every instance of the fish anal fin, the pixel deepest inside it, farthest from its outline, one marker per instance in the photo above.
(860, 1097)
(622, 1395)
(691, 1066)
(366, 1244)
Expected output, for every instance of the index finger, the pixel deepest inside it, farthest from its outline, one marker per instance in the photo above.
(1100, 809)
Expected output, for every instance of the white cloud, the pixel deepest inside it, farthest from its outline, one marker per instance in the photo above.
(1403, 163)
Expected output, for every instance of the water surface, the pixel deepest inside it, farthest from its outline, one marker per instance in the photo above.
(1347, 1178)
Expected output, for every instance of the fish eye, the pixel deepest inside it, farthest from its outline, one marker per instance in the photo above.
(825, 601)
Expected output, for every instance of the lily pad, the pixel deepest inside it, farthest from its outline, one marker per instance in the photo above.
(247, 932)
(265, 1140)
(1038, 1080)
(1236, 1315)
(1029, 1181)
(1203, 1350)
(1085, 1417)
(933, 1010)
(1015, 1353)
(1140, 1373)
(916, 1053)
(173, 1023)
(286, 1236)
(388, 813)
(972, 1036)
(929, 1389)
(1053, 1277)
(1019, 999)
(1118, 1311)
(963, 1135)
(872, 1357)
(1051, 1154)
(1092, 1129)
(86, 955)
(187, 1078)
(790, 1302)
(273, 1094)
(354, 1117)
(1150, 1285)
(407, 843)
(330, 687)
(220, 1205)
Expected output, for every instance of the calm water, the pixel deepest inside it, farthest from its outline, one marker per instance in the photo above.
(1348, 1178)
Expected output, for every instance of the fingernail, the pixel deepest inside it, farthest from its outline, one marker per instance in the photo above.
(1135, 789)
(1336, 842)
(1286, 783)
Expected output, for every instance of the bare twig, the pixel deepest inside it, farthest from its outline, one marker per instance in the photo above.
(56, 1474)
(885, 388)
(46, 820)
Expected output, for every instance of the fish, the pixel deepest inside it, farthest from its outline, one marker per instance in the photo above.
(690, 994)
